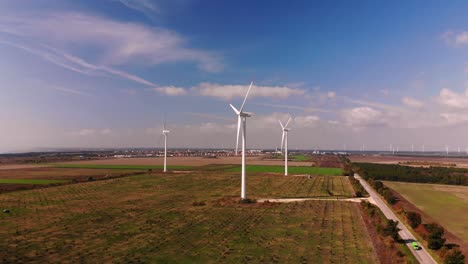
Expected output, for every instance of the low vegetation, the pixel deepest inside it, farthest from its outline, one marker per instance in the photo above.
(359, 190)
(291, 170)
(446, 204)
(392, 172)
(387, 236)
(184, 218)
(119, 167)
(31, 181)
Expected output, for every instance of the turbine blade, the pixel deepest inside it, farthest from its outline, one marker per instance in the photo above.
(288, 122)
(238, 132)
(235, 109)
(245, 99)
(282, 142)
(281, 124)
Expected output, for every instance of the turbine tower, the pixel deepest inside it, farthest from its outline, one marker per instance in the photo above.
(242, 122)
(165, 132)
(284, 141)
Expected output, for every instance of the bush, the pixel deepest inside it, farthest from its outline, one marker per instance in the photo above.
(414, 219)
(435, 239)
(198, 203)
(391, 229)
(455, 256)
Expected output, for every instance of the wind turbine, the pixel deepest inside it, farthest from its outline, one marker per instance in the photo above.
(284, 141)
(165, 132)
(242, 122)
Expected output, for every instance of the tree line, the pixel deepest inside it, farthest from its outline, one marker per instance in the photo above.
(393, 172)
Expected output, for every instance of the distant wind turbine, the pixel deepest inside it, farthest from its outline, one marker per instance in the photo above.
(242, 122)
(284, 141)
(165, 132)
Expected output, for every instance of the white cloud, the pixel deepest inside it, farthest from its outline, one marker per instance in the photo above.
(453, 99)
(362, 117)
(115, 42)
(461, 38)
(91, 131)
(84, 132)
(105, 131)
(331, 95)
(452, 38)
(171, 90)
(227, 92)
(306, 121)
(411, 102)
(385, 92)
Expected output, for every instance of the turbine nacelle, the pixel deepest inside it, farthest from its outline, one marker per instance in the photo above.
(241, 114)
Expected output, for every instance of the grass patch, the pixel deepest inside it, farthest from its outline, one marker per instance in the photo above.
(120, 167)
(444, 203)
(30, 181)
(291, 170)
(147, 218)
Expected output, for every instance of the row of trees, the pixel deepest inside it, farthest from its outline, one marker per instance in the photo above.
(392, 172)
(434, 235)
(383, 190)
(359, 191)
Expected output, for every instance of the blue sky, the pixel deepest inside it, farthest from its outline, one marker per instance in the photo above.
(103, 73)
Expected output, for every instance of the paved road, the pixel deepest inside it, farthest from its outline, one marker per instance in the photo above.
(421, 255)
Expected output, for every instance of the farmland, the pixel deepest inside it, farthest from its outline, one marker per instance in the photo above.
(30, 181)
(446, 204)
(154, 218)
(119, 167)
(291, 170)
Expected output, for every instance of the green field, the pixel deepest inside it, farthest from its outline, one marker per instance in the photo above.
(447, 204)
(120, 167)
(30, 181)
(291, 170)
(151, 218)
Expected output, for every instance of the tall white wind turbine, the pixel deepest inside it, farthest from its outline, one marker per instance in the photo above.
(242, 122)
(284, 142)
(165, 132)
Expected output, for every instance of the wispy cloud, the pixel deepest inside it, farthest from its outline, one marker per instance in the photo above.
(68, 90)
(411, 102)
(171, 90)
(75, 63)
(451, 99)
(456, 38)
(294, 107)
(147, 7)
(227, 92)
(115, 42)
(90, 132)
(208, 116)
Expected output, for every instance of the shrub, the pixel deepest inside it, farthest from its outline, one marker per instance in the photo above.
(455, 256)
(435, 239)
(414, 219)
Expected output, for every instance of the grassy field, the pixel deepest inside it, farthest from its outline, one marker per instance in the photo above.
(151, 218)
(119, 167)
(291, 170)
(30, 181)
(447, 204)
